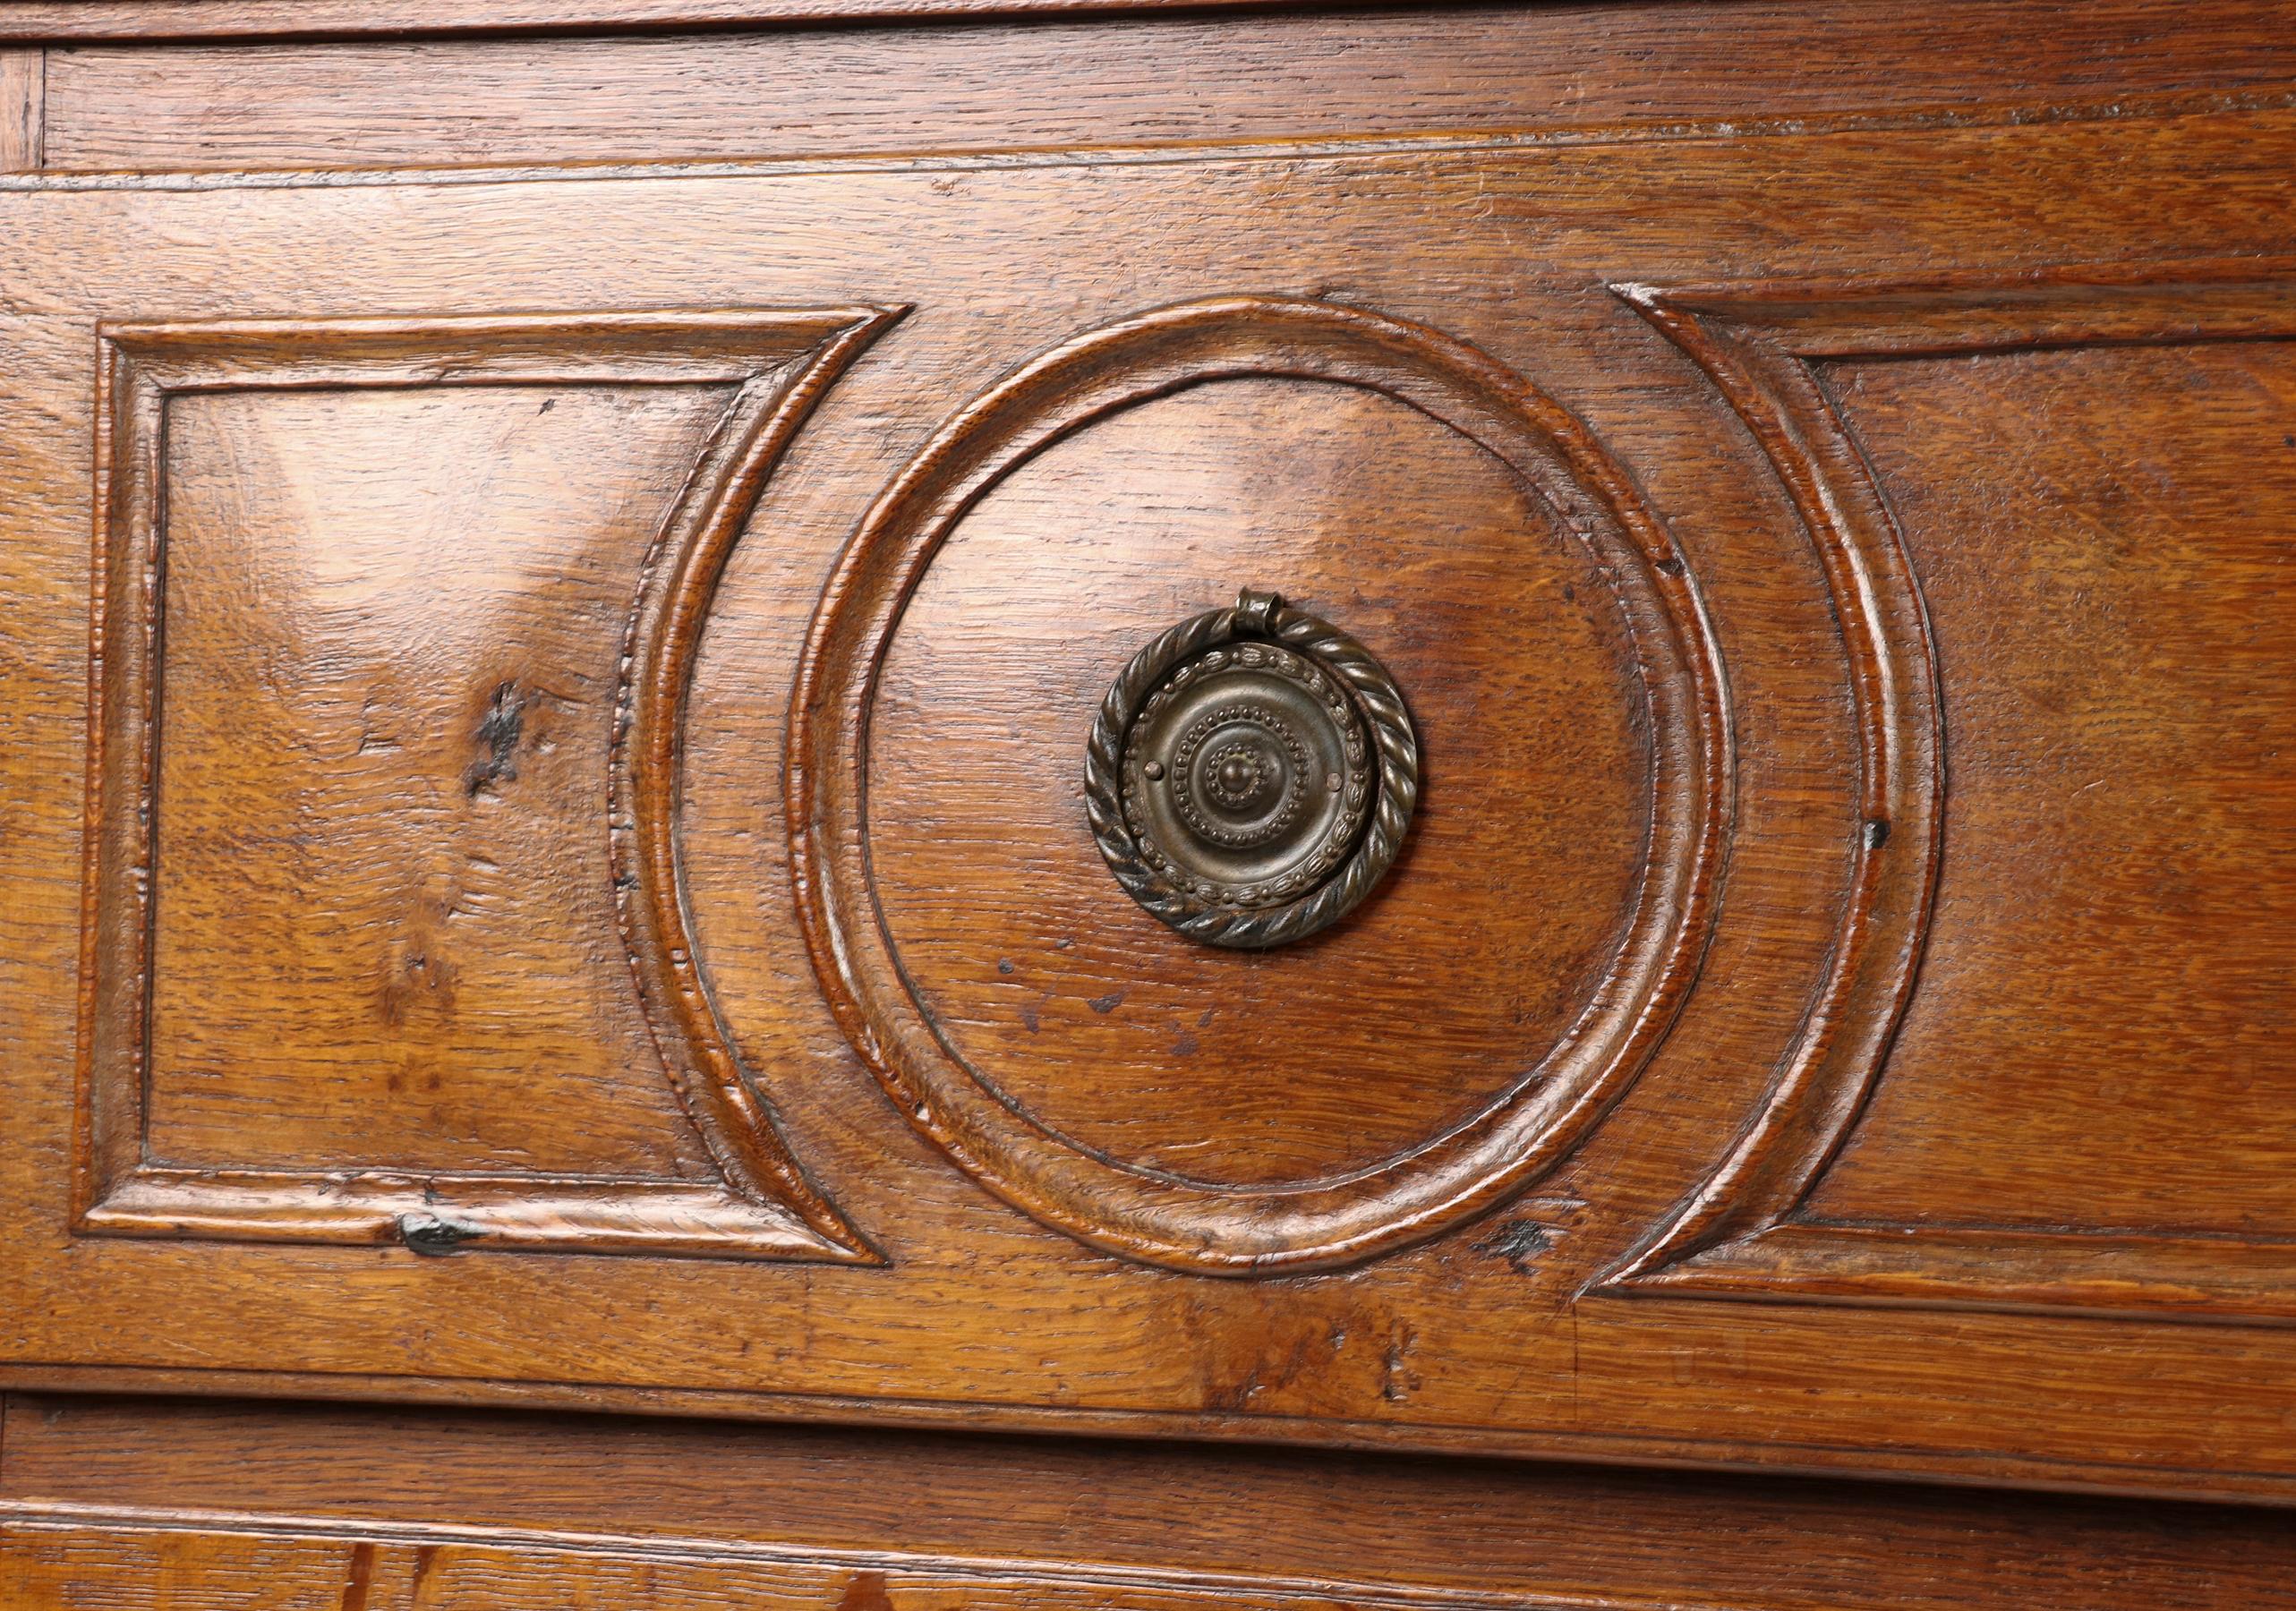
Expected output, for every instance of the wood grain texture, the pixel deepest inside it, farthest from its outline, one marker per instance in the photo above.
(23, 116)
(1182, 1073)
(2144, 517)
(1542, 70)
(1833, 379)
(293, 917)
(1491, 175)
(133, 1570)
(312, 20)
(859, 904)
(613, 1513)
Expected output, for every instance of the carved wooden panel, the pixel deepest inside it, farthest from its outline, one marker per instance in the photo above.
(1233, 1208)
(327, 655)
(1837, 961)
(1986, 430)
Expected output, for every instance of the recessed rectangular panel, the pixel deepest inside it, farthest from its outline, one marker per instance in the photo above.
(386, 612)
(2105, 1035)
(384, 931)
(2082, 1000)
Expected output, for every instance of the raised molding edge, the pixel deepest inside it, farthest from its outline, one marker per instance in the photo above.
(676, 588)
(1744, 1234)
(776, 364)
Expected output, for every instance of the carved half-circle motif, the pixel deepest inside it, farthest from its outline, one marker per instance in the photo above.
(677, 586)
(1140, 1206)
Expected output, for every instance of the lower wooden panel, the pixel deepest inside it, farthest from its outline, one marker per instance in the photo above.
(151, 1501)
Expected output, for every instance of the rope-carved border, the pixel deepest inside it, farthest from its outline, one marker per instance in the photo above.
(1377, 698)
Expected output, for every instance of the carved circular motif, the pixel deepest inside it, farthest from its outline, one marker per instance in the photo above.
(1244, 750)
(1254, 812)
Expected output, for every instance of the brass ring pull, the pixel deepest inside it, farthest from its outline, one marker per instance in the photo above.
(1252, 774)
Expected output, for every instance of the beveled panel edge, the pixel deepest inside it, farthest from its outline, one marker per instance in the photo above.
(1157, 1218)
(1743, 1232)
(2104, 1274)
(439, 1214)
(778, 361)
(676, 588)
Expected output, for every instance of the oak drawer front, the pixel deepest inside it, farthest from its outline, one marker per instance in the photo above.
(582, 865)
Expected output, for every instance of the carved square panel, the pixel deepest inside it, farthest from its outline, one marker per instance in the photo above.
(376, 600)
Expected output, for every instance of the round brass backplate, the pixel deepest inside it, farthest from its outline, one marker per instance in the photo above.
(1251, 775)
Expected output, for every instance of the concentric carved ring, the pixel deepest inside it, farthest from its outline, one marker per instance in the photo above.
(1252, 774)
(1238, 777)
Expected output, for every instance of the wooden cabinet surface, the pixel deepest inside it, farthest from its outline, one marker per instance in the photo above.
(1466, 736)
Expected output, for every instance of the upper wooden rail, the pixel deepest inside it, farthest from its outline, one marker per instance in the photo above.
(32, 21)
